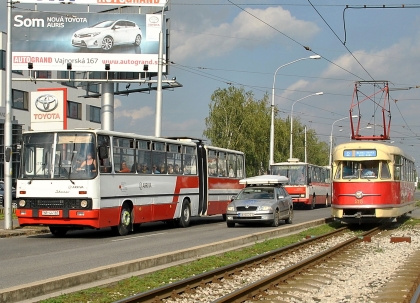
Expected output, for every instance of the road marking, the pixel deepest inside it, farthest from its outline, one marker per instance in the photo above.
(137, 237)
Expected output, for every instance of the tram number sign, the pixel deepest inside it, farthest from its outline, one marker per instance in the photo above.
(358, 201)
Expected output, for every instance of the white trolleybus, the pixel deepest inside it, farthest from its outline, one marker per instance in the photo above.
(309, 184)
(76, 179)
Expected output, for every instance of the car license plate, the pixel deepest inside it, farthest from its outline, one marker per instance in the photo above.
(245, 215)
(50, 212)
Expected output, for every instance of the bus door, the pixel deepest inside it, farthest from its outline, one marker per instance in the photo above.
(202, 178)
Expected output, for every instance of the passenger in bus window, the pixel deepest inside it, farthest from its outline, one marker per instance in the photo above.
(124, 168)
(143, 168)
(155, 170)
(231, 171)
(176, 169)
(162, 169)
(170, 169)
(89, 164)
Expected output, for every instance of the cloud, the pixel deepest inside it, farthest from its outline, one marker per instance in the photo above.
(245, 31)
(135, 114)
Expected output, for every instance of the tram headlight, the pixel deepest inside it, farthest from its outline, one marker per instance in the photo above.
(302, 195)
(22, 203)
(84, 203)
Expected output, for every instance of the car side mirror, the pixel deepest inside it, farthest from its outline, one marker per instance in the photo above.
(232, 198)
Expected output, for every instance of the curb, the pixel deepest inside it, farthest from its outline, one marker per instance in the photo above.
(36, 289)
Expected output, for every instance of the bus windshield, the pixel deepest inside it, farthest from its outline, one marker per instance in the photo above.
(58, 156)
(295, 173)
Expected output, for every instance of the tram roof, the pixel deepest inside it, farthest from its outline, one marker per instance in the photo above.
(264, 179)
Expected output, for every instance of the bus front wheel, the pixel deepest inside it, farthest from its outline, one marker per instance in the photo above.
(185, 219)
(125, 221)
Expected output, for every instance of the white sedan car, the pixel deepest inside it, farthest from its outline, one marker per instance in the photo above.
(263, 200)
(107, 34)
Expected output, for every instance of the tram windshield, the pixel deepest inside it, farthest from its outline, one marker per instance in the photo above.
(58, 156)
(372, 169)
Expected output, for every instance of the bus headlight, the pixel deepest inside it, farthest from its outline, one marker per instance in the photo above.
(302, 195)
(84, 203)
(22, 203)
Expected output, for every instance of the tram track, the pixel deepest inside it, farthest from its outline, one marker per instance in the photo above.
(188, 286)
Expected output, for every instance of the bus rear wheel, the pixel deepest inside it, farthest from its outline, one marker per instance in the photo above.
(185, 219)
(58, 231)
(124, 226)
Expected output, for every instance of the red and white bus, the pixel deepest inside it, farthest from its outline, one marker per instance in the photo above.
(169, 180)
(372, 182)
(309, 184)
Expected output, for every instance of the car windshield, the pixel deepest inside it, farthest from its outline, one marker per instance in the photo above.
(256, 193)
(103, 24)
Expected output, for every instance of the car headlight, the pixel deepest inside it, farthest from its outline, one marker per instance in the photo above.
(94, 34)
(22, 203)
(231, 208)
(84, 203)
(263, 207)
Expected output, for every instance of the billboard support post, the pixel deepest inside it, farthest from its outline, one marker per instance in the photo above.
(158, 118)
(7, 197)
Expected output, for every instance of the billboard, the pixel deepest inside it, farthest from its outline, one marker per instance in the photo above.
(101, 2)
(51, 40)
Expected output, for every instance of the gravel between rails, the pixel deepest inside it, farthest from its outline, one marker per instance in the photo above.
(358, 281)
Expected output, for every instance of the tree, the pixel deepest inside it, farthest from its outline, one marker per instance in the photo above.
(238, 121)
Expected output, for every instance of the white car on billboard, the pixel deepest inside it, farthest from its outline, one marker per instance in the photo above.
(107, 34)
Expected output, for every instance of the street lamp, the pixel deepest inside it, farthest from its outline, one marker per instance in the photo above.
(271, 161)
(332, 126)
(291, 121)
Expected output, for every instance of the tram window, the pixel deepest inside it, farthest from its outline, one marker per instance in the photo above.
(385, 173)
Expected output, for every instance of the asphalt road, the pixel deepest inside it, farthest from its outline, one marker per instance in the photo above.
(29, 259)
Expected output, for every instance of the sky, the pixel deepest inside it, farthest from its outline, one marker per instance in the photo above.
(221, 43)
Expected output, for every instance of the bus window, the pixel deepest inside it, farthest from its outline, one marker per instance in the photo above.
(189, 161)
(212, 163)
(158, 158)
(240, 165)
(144, 157)
(221, 165)
(232, 165)
(105, 165)
(123, 153)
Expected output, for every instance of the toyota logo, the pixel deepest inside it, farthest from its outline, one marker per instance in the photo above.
(46, 103)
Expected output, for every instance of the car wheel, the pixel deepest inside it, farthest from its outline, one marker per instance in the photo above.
(230, 224)
(107, 43)
(58, 231)
(276, 219)
(124, 226)
(185, 219)
(138, 40)
(289, 219)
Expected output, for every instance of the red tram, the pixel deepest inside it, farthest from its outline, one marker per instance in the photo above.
(372, 182)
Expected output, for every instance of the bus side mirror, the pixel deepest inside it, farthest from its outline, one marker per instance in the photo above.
(103, 152)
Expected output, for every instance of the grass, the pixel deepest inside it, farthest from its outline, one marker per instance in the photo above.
(2, 216)
(138, 284)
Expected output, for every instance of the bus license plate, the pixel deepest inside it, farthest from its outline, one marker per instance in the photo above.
(50, 212)
(245, 215)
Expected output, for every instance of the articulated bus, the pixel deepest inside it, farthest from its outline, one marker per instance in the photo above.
(372, 182)
(85, 178)
(309, 184)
